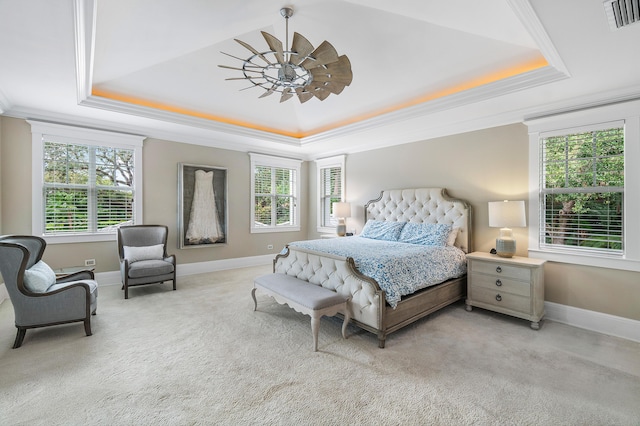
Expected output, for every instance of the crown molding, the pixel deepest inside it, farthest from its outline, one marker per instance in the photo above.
(85, 18)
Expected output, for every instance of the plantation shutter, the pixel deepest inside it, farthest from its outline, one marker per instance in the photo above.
(331, 192)
(86, 188)
(582, 189)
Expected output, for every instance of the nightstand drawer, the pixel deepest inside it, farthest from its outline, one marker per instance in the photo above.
(502, 299)
(494, 268)
(499, 283)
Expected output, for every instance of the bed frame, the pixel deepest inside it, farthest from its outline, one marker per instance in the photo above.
(368, 305)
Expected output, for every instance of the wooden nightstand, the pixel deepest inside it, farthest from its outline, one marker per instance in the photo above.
(512, 286)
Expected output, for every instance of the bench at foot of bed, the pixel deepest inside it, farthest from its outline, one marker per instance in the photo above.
(313, 300)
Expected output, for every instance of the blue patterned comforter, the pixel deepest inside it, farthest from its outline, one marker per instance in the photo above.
(399, 268)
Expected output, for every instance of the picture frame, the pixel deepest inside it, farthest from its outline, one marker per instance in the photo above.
(202, 206)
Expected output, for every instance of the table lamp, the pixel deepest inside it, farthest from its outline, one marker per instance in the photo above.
(341, 211)
(506, 215)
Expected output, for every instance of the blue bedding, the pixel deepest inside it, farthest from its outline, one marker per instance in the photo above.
(399, 268)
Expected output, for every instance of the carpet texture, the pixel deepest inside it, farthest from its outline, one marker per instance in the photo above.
(200, 355)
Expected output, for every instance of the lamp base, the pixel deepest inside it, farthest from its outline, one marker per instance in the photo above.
(505, 247)
(341, 229)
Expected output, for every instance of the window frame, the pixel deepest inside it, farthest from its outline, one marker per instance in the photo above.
(80, 136)
(323, 164)
(629, 114)
(261, 160)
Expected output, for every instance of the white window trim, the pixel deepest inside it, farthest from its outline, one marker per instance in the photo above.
(326, 163)
(629, 112)
(80, 136)
(271, 161)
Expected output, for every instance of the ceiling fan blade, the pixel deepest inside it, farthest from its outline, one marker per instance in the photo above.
(268, 92)
(341, 70)
(239, 69)
(302, 47)
(241, 59)
(324, 54)
(286, 94)
(254, 51)
(319, 93)
(275, 45)
(303, 95)
(244, 78)
(329, 86)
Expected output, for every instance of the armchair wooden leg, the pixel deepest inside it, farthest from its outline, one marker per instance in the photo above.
(87, 326)
(19, 337)
(174, 284)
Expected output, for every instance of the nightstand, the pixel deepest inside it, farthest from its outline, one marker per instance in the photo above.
(512, 286)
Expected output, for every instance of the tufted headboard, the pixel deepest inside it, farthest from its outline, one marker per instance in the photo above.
(430, 205)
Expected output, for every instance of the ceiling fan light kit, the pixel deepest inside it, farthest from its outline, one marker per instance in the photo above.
(302, 70)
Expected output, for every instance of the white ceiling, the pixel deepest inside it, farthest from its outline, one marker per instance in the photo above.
(421, 68)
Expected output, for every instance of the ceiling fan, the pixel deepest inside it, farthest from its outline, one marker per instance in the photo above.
(302, 70)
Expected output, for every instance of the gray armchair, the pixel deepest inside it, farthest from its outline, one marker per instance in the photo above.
(53, 301)
(142, 250)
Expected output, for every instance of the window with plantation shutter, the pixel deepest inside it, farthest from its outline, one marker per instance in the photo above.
(582, 189)
(584, 184)
(87, 182)
(330, 179)
(275, 194)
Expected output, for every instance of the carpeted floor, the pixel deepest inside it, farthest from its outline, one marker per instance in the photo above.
(200, 355)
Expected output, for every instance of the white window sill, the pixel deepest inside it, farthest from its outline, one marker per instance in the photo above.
(586, 260)
(79, 238)
(280, 229)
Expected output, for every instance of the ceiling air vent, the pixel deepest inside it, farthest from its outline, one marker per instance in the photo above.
(622, 13)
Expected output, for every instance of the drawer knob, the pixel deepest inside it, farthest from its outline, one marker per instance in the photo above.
(498, 269)
(498, 283)
(498, 297)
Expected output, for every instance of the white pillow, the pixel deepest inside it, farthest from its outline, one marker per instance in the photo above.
(39, 277)
(136, 254)
(451, 241)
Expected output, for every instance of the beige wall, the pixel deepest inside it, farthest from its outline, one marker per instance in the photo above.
(160, 175)
(481, 166)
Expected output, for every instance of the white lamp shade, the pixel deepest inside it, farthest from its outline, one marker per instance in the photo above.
(507, 214)
(342, 210)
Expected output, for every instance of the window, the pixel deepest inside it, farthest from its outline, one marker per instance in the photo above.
(84, 182)
(275, 194)
(330, 178)
(585, 177)
(582, 189)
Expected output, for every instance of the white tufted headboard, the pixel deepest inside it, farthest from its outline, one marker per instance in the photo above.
(430, 205)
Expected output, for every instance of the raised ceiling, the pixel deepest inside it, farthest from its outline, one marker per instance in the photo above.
(151, 66)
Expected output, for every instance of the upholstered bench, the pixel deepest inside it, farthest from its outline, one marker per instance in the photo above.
(309, 299)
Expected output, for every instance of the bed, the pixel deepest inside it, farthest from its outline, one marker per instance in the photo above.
(372, 309)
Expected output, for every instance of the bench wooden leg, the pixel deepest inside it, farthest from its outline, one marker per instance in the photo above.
(315, 326)
(345, 323)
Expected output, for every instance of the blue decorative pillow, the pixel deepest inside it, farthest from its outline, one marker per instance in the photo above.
(380, 230)
(425, 234)
(39, 277)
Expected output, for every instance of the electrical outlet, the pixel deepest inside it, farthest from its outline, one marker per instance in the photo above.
(90, 262)
(270, 247)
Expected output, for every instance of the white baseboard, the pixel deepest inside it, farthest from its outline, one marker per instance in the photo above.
(595, 321)
(113, 277)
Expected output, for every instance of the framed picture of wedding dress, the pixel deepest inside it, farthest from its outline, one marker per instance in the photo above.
(202, 210)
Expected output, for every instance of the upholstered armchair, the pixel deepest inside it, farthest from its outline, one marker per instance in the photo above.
(143, 256)
(39, 298)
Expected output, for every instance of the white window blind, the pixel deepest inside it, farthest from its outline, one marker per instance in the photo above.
(582, 189)
(275, 193)
(87, 189)
(331, 192)
(331, 189)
